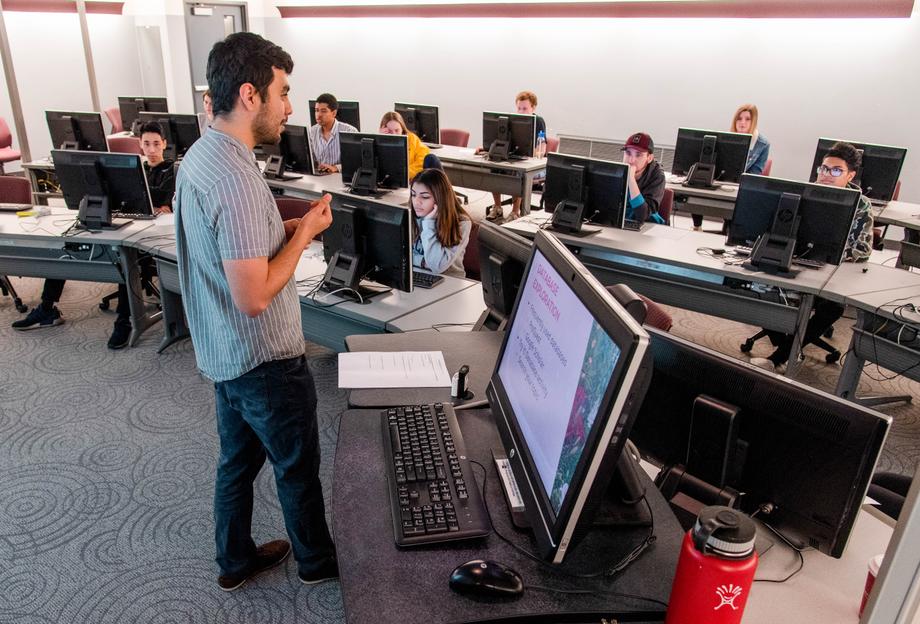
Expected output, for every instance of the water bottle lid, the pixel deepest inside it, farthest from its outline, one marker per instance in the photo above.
(725, 532)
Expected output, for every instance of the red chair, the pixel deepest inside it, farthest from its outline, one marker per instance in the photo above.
(14, 190)
(7, 153)
(666, 206)
(768, 167)
(125, 145)
(471, 254)
(552, 144)
(455, 137)
(114, 115)
(293, 208)
(656, 316)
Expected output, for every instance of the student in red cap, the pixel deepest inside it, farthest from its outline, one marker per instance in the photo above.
(646, 179)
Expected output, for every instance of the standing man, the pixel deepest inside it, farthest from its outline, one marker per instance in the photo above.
(324, 135)
(236, 265)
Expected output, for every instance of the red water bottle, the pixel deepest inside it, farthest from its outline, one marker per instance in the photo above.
(715, 570)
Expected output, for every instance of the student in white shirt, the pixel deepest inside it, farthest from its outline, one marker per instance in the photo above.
(324, 135)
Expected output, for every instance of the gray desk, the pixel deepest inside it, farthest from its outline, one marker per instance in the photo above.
(903, 214)
(663, 264)
(718, 203)
(35, 247)
(466, 169)
(456, 313)
(479, 350)
(312, 187)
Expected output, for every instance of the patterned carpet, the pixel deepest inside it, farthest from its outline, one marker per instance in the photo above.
(107, 465)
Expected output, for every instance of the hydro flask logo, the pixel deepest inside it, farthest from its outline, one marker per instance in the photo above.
(727, 594)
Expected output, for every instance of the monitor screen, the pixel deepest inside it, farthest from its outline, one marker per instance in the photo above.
(294, 148)
(880, 170)
(518, 130)
(130, 106)
(83, 129)
(826, 214)
(119, 177)
(181, 131)
(387, 155)
(503, 255)
(570, 373)
(422, 119)
(807, 453)
(377, 234)
(599, 185)
(348, 112)
(729, 157)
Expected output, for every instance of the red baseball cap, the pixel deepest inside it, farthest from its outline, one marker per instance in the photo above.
(640, 141)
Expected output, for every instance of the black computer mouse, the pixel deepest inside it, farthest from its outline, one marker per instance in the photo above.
(486, 578)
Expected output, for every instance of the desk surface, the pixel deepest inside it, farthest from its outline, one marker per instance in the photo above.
(52, 226)
(900, 213)
(467, 156)
(455, 313)
(479, 350)
(858, 278)
(383, 584)
(728, 192)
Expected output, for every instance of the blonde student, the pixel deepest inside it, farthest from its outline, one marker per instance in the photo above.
(442, 225)
(393, 123)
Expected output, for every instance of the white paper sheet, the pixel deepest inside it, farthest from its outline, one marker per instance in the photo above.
(401, 369)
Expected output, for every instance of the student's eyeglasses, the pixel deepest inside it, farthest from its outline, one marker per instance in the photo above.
(834, 172)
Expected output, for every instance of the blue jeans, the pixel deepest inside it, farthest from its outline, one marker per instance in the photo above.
(269, 411)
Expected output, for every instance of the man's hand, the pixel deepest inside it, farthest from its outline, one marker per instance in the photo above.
(328, 168)
(162, 210)
(290, 226)
(318, 218)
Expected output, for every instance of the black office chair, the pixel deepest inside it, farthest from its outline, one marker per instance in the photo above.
(148, 272)
(833, 354)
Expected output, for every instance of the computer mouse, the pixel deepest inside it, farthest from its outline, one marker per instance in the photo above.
(486, 578)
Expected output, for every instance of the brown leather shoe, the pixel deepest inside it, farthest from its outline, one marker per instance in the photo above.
(268, 556)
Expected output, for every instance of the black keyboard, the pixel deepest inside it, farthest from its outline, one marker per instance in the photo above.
(433, 495)
(426, 280)
(135, 216)
(634, 226)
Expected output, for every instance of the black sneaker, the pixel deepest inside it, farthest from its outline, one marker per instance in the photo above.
(120, 336)
(327, 572)
(39, 318)
(268, 555)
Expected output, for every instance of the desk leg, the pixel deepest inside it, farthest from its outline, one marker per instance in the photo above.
(37, 200)
(852, 367)
(801, 322)
(130, 268)
(175, 328)
(527, 191)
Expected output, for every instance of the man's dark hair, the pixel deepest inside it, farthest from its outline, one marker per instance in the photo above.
(329, 100)
(240, 58)
(154, 127)
(847, 153)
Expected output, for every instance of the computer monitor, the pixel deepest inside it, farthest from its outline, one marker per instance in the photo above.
(570, 375)
(503, 256)
(422, 119)
(372, 161)
(291, 153)
(792, 220)
(100, 184)
(585, 189)
(130, 106)
(76, 130)
(348, 112)
(181, 131)
(508, 136)
(368, 240)
(880, 170)
(804, 455)
(708, 157)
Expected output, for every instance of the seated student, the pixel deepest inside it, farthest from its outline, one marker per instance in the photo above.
(646, 179)
(525, 103)
(419, 153)
(745, 121)
(838, 168)
(206, 103)
(443, 225)
(161, 181)
(324, 135)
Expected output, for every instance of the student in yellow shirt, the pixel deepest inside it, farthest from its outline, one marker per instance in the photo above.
(420, 157)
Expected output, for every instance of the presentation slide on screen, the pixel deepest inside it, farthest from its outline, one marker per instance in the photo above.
(555, 369)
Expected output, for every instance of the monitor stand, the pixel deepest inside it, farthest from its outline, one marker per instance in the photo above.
(343, 276)
(774, 248)
(94, 214)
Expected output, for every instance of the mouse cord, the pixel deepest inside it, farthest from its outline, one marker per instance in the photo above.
(616, 569)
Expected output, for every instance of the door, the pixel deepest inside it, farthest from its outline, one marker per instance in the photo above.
(205, 25)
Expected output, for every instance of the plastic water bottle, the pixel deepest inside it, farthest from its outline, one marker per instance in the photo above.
(715, 569)
(540, 148)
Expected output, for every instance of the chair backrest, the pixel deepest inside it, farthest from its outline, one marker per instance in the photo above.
(656, 316)
(432, 162)
(455, 136)
(552, 144)
(125, 145)
(15, 190)
(6, 137)
(114, 115)
(666, 206)
(471, 254)
(768, 167)
(291, 207)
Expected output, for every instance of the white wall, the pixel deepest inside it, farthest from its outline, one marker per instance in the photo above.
(852, 79)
